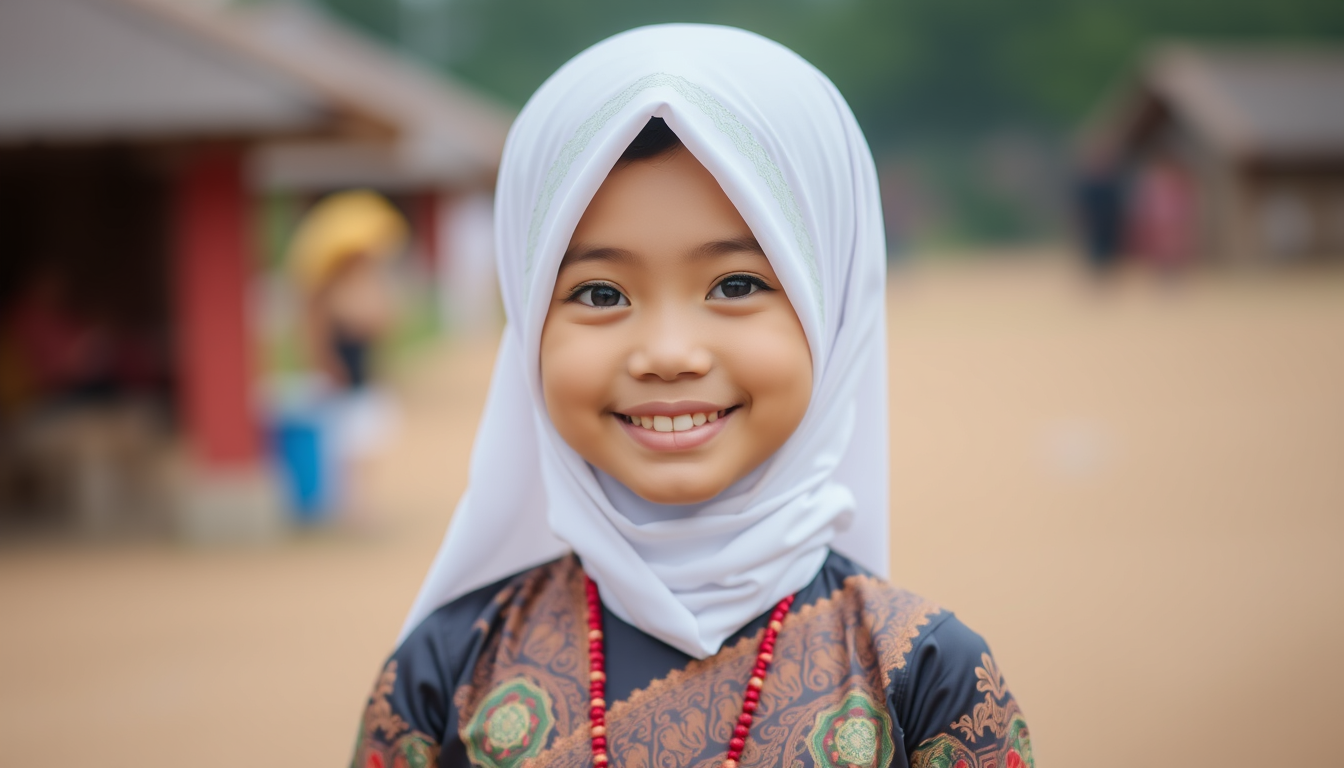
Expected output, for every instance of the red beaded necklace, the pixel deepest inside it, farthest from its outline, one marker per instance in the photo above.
(597, 677)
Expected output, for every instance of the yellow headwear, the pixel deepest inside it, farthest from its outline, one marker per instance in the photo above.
(341, 226)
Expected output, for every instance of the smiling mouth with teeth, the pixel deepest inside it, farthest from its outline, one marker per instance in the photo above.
(679, 423)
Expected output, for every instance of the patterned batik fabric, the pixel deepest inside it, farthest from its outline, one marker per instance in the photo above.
(385, 739)
(863, 675)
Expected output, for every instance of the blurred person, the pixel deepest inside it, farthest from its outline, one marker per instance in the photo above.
(1100, 208)
(339, 257)
(1163, 215)
(677, 511)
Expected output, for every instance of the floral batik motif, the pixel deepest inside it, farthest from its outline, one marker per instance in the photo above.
(857, 734)
(992, 735)
(863, 674)
(511, 725)
(822, 704)
(385, 740)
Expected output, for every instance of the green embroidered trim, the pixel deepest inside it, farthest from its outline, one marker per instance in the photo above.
(723, 119)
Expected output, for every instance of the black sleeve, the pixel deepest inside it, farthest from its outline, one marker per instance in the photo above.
(410, 713)
(954, 706)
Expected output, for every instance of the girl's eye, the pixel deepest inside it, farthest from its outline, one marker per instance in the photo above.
(600, 295)
(737, 286)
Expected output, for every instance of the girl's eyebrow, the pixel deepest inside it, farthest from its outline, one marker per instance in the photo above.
(731, 245)
(580, 253)
(577, 254)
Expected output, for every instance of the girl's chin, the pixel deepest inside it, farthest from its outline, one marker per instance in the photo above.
(673, 491)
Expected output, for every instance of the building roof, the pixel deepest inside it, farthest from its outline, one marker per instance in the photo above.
(1252, 103)
(146, 70)
(446, 129)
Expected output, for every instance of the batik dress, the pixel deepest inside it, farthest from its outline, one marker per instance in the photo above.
(864, 674)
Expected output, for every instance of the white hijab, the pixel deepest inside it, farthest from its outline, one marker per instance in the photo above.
(787, 151)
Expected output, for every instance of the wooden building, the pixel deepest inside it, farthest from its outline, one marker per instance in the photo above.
(1236, 154)
(134, 137)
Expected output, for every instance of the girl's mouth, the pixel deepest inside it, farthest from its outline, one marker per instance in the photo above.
(675, 433)
(680, 423)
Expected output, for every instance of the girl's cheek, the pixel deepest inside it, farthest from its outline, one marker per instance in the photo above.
(571, 376)
(769, 359)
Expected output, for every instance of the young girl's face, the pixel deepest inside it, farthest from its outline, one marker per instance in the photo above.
(671, 358)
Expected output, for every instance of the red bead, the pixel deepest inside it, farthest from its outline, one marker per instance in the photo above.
(597, 688)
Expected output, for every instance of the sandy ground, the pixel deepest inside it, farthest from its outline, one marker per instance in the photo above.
(1135, 493)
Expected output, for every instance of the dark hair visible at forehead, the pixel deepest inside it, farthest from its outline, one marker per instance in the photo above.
(654, 140)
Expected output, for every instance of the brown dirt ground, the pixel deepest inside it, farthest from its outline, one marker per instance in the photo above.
(1135, 492)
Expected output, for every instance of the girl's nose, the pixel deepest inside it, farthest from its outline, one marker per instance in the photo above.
(670, 349)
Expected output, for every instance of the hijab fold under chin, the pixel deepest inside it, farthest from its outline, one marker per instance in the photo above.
(784, 146)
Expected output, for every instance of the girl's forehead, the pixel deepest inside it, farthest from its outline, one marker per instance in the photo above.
(664, 211)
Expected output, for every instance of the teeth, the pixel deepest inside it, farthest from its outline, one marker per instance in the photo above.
(679, 423)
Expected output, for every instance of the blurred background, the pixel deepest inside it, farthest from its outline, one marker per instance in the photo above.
(248, 315)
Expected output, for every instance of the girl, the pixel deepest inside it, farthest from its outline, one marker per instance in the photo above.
(670, 553)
